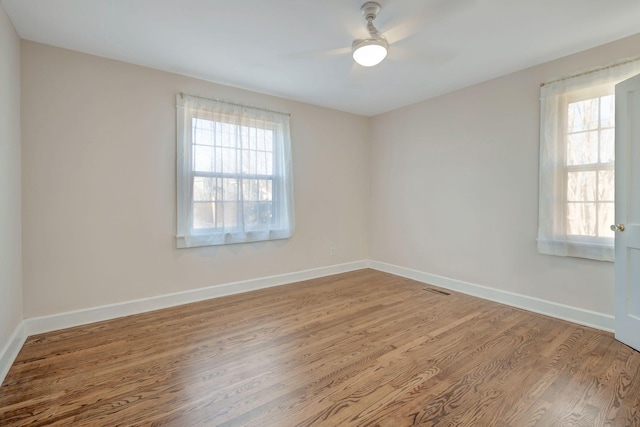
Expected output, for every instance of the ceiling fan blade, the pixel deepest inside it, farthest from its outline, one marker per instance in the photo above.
(429, 55)
(321, 53)
(425, 16)
(405, 30)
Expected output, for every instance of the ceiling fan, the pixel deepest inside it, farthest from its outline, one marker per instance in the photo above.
(377, 46)
(372, 50)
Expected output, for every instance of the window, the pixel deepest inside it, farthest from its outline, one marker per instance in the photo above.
(588, 167)
(577, 153)
(234, 173)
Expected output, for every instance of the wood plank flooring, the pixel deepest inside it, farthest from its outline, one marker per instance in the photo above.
(363, 348)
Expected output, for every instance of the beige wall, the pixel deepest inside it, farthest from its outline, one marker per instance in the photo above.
(454, 188)
(453, 185)
(99, 186)
(10, 187)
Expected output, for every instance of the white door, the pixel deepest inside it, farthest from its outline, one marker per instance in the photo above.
(627, 266)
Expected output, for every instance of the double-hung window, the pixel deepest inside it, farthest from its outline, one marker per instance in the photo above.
(233, 172)
(577, 148)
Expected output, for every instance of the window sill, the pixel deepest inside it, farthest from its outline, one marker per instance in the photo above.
(588, 250)
(219, 239)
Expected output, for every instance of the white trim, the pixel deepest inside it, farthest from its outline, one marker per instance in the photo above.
(577, 315)
(39, 325)
(69, 319)
(11, 350)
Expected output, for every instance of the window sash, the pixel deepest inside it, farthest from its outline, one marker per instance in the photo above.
(563, 147)
(239, 200)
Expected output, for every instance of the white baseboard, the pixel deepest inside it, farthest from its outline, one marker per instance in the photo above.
(581, 316)
(11, 350)
(39, 325)
(69, 319)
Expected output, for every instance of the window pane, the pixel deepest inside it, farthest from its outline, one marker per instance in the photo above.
(581, 219)
(250, 189)
(581, 186)
(583, 115)
(607, 111)
(229, 189)
(229, 160)
(230, 214)
(203, 158)
(606, 186)
(247, 162)
(217, 160)
(261, 163)
(268, 140)
(606, 217)
(269, 163)
(265, 190)
(254, 139)
(260, 134)
(582, 148)
(204, 189)
(265, 213)
(202, 131)
(250, 214)
(228, 135)
(202, 137)
(203, 215)
(607, 146)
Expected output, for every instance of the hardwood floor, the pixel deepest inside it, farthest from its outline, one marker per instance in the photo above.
(362, 348)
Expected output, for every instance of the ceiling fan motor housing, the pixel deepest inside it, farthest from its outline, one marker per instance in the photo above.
(370, 10)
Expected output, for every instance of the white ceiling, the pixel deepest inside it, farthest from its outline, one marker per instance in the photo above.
(300, 49)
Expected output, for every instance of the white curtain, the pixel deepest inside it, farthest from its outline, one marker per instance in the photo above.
(234, 173)
(576, 175)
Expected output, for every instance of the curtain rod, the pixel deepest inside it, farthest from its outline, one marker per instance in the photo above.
(594, 70)
(183, 94)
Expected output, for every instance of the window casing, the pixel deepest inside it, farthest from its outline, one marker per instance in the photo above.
(234, 173)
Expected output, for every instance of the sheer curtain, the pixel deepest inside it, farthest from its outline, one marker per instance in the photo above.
(234, 173)
(576, 162)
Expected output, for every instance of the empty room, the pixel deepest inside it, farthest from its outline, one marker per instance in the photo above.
(320, 213)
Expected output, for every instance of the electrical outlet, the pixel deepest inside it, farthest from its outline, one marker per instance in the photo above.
(332, 251)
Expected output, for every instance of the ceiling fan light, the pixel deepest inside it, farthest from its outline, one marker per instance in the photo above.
(370, 52)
